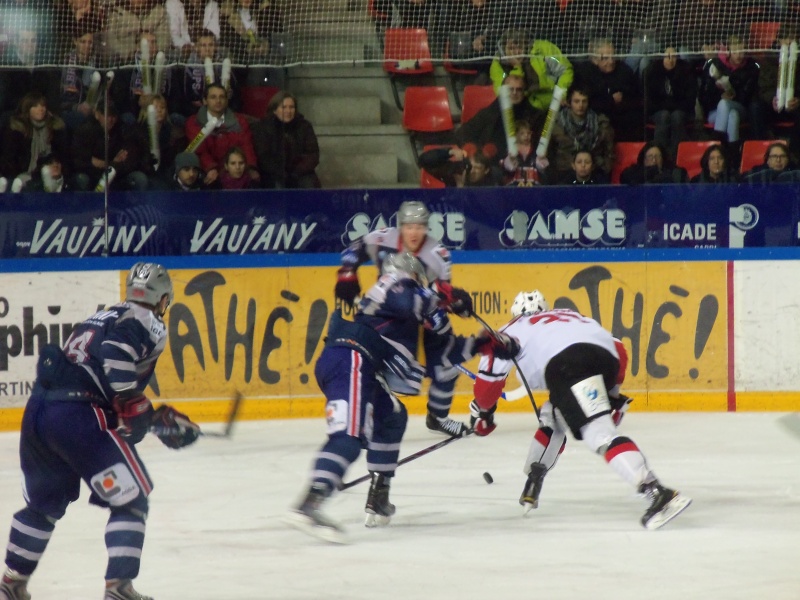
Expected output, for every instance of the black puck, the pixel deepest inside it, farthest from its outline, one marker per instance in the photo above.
(487, 477)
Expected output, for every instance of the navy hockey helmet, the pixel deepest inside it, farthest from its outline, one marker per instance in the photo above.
(413, 211)
(406, 264)
(148, 283)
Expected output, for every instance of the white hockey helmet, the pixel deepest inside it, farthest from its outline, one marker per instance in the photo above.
(412, 211)
(148, 283)
(529, 303)
(406, 264)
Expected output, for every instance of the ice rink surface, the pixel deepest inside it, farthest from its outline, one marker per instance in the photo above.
(215, 529)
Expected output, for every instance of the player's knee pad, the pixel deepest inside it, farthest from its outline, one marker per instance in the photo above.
(599, 433)
(391, 428)
(343, 445)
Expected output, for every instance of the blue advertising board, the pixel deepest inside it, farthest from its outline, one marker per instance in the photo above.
(273, 221)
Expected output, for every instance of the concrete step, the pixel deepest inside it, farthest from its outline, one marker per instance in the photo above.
(338, 170)
(341, 110)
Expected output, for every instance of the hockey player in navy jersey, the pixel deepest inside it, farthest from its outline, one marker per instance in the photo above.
(82, 421)
(366, 362)
(411, 235)
(578, 362)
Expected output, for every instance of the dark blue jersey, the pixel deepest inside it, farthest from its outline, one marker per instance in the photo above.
(118, 347)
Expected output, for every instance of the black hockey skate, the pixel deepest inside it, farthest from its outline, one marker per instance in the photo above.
(14, 586)
(309, 518)
(122, 589)
(665, 504)
(378, 508)
(533, 487)
(446, 425)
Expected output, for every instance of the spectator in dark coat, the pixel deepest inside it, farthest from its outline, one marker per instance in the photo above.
(653, 166)
(613, 90)
(715, 167)
(186, 175)
(670, 96)
(32, 132)
(776, 163)
(286, 146)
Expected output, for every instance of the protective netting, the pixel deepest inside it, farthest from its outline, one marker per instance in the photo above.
(106, 33)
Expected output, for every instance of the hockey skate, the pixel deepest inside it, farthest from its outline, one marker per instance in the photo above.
(14, 586)
(378, 508)
(122, 589)
(309, 518)
(446, 425)
(665, 504)
(533, 487)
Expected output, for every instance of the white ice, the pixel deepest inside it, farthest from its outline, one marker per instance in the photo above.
(215, 529)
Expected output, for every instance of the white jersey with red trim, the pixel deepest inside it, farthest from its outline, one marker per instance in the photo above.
(541, 337)
(378, 244)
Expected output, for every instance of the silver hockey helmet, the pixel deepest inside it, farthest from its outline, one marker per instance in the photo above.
(406, 264)
(413, 211)
(529, 303)
(148, 283)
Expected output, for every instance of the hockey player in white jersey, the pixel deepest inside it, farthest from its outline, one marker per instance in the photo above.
(578, 362)
(411, 235)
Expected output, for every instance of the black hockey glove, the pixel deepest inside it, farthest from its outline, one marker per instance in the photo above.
(347, 286)
(133, 415)
(173, 428)
(481, 421)
(501, 345)
(453, 299)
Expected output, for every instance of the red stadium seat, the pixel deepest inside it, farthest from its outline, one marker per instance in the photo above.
(255, 99)
(763, 34)
(426, 111)
(476, 97)
(428, 181)
(689, 155)
(753, 153)
(625, 155)
(406, 53)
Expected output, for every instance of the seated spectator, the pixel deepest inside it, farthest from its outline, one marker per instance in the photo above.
(234, 171)
(653, 166)
(32, 132)
(232, 130)
(76, 81)
(583, 170)
(24, 55)
(170, 138)
(613, 90)
(728, 87)
(486, 131)
(541, 64)
(126, 22)
(128, 87)
(671, 93)
(76, 18)
(127, 152)
(522, 166)
(640, 28)
(715, 167)
(286, 146)
(186, 174)
(457, 167)
(48, 176)
(701, 26)
(194, 76)
(776, 163)
(768, 76)
(246, 27)
(578, 127)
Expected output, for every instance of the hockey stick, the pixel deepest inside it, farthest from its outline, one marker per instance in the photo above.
(521, 375)
(510, 396)
(409, 458)
(236, 404)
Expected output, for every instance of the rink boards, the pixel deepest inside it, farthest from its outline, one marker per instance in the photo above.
(710, 330)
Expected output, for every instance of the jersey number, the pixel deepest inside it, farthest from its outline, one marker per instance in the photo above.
(76, 347)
